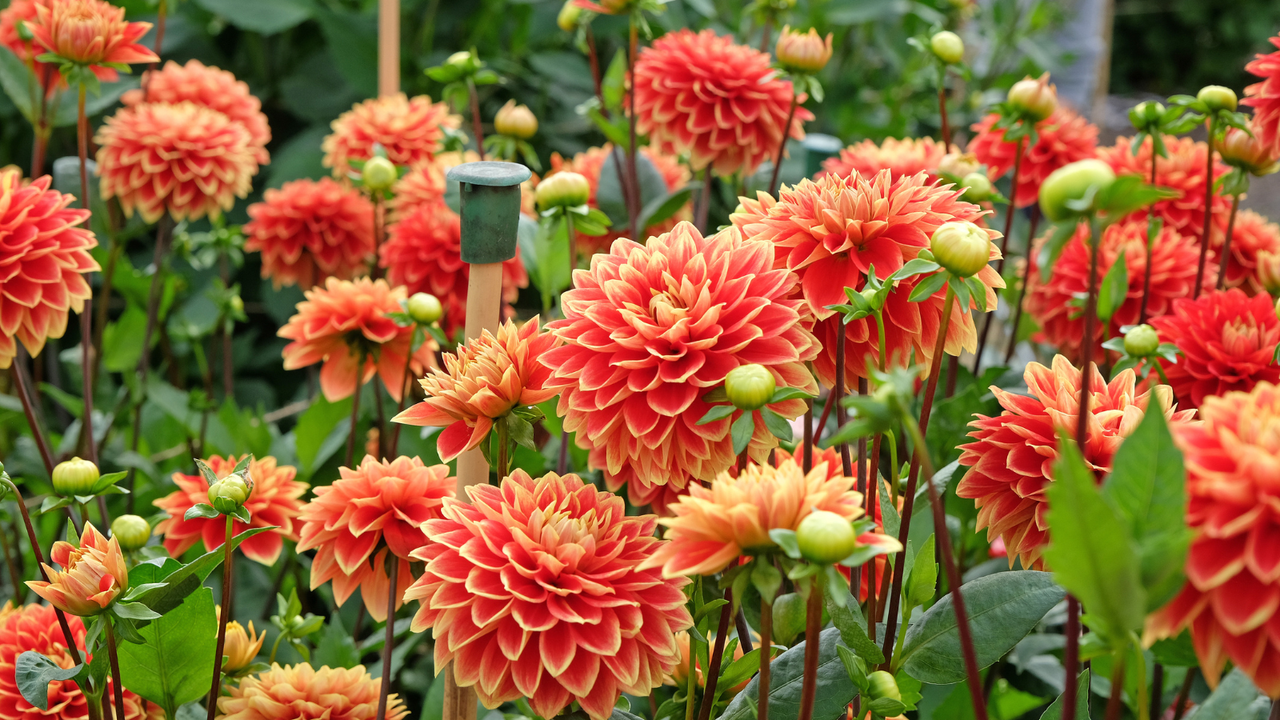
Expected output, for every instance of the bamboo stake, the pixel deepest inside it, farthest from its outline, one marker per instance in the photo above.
(388, 47)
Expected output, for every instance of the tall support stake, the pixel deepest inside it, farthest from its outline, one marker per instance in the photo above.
(490, 195)
(388, 47)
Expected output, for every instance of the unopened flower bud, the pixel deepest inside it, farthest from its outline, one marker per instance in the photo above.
(825, 538)
(1145, 114)
(242, 646)
(1071, 182)
(977, 187)
(958, 164)
(425, 308)
(75, 477)
(563, 189)
(1217, 97)
(1269, 271)
(1141, 341)
(803, 52)
(1240, 149)
(131, 531)
(569, 15)
(379, 174)
(947, 46)
(749, 387)
(883, 685)
(1034, 97)
(961, 247)
(464, 60)
(229, 494)
(237, 304)
(516, 121)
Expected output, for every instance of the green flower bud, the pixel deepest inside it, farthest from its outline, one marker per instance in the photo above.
(379, 174)
(1218, 97)
(563, 189)
(229, 494)
(425, 308)
(131, 531)
(516, 121)
(1071, 182)
(1034, 97)
(464, 60)
(883, 685)
(825, 538)
(961, 247)
(1145, 114)
(977, 187)
(749, 387)
(75, 477)
(237, 304)
(947, 46)
(788, 617)
(1141, 341)
(569, 16)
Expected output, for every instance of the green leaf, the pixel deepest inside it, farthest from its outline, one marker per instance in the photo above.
(741, 431)
(265, 18)
(663, 207)
(613, 84)
(134, 611)
(316, 426)
(200, 511)
(1113, 291)
(1147, 487)
(352, 40)
(1052, 248)
(33, 673)
(835, 689)
(913, 268)
(1054, 711)
(182, 581)
(1090, 550)
(787, 393)
(122, 340)
(336, 648)
(766, 578)
(609, 192)
(786, 539)
(717, 412)
(851, 623)
(1231, 700)
(1003, 608)
(928, 287)
(922, 583)
(777, 425)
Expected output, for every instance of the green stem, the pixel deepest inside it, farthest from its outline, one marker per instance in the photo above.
(693, 659)
(388, 645)
(766, 641)
(902, 635)
(115, 669)
(224, 616)
(501, 467)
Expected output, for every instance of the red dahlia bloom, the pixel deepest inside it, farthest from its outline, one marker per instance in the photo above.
(649, 330)
(1011, 457)
(721, 103)
(43, 260)
(309, 231)
(411, 130)
(11, 18)
(423, 184)
(1064, 137)
(1182, 171)
(92, 33)
(1056, 304)
(1252, 236)
(534, 590)
(902, 158)
(1226, 341)
(1264, 97)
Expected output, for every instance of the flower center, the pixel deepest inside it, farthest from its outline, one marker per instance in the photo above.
(1241, 337)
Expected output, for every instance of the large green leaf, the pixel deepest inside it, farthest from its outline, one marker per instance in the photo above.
(1090, 550)
(1054, 711)
(1232, 699)
(33, 672)
(1147, 487)
(1003, 608)
(315, 426)
(835, 689)
(851, 623)
(353, 42)
(180, 582)
(266, 18)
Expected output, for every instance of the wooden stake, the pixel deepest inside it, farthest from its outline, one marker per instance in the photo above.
(388, 47)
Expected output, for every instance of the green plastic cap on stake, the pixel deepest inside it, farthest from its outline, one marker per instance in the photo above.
(819, 147)
(490, 195)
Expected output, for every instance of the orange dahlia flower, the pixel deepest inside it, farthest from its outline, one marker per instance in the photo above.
(43, 263)
(483, 381)
(423, 253)
(902, 158)
(1182, 171)
(411, 130)
(35, 628)
(1233, 570)
(1056, 306)
(92, 575)
(309, 231)
(387, 501)
(1264, 97)
(242, 646)
(1064, 137)
(1011, 457)
(535, 590)
(209, 87)
(275, 501)
(721, 103)
(92, 33)
(345, 326)
(300, 692)
(590, 163)
(1252, 235)
(423, 184)
(1226, 342)
(649, 330)
(833, 230)
(181, 158)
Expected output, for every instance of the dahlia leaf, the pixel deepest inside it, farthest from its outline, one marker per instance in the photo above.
(766, 579)
(928, 287)
(786, 539)
(742, 430)
(1231, 700)
(661, 208)
(134, 611)
(1054, 711)
(717, 412)
(834, 689)
(613, 84)
(852, 624)
(888, 511)
(922, 582)
(854, 666)
(171, 666)
(33, 673)
(911, 269)
(200, 511)
(777, 425)
(788, 393)
(1113, 291)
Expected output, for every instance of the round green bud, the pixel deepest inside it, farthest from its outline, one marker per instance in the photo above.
(229, 494)
(379, 174)
(237, 304)
(131, 531)
(883, 685)
(1145, 114)
(961, 247)
(75, 477)
(947, 46)
(464, 60)
(425, 308)
(1071, 182)
(1034, 97)
(788, 617)
(1217, 97)
(563, 189)
(826, 538)
(1141, 341)
(749, 387)
(569, 15)
(977, 187)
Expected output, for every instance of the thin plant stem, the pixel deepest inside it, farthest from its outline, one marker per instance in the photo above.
(476, 126)
(717, 656)
(379, 230)
(766, 647)
(1071, 657)
(942, 108)
(846, 461)
(806, 458)
(1208, 207)
(1087, 343)
(764, 47)
(104, 299)
(1226, 242)
(594, 61)
(161, 13)
(72, 648)
(118, 685)
(744, 630)
(562, 457)
(404, 391)
(1022, 296)
(691, 690)
(633, 197)
(15, 576)
(393, 570)
(502, 459)
(1157, 690)
(812, 633)
(1180, 701)
(381, 418)
(86, 322)
(855, 573)
(782, 144)
(1004, 251)
(228, 366)
(164, 232)
(23, 383)
(1117, 691)
(224, 616)
(355, 419)
(1146, 274)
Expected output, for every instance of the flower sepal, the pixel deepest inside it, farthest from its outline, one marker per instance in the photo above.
(105, 485)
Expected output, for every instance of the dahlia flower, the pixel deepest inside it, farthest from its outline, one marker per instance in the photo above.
(43, 263)
(309, 231)
(411, 130)
(1063, 138)
(1182, 171)
(1233, 577)
(388, 501)
(680, 676)
(1055, 304)
(902, 158)
(300, 692)
(423, 253)
(649, 330)
(423, 184)
(1011, 457)
(92, 576)
(92, 33)
(1251, 236)
(1264, 97)
(483, 381)
(721, 103)
(833, 230)
(590, 163)
(35, 628)
(1226, 341)
(209, 87)
(275, 501)
(11, 18)
(534, 590)
(345, 326)
(181, 158)
(242, 646)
